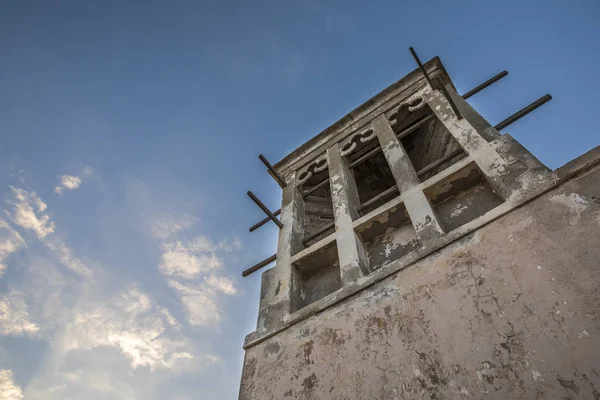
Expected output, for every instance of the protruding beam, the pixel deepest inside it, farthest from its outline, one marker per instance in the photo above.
(484, 85)
(442, 87)
(274, 173)
(523, 112)
(260, 265)
(263, 221)
(421, 67)
(265, 209)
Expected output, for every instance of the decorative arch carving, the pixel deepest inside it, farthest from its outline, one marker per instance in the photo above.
(319, 165)
(413, 103)
(350, 144)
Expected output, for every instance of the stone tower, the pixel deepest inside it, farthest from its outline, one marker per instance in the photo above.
(422, 254)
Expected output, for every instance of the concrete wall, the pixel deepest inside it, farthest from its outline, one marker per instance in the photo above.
(510, 311)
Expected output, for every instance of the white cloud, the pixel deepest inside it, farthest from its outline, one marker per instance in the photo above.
(10, 242)
(130, 323)
(192, 267)
(8, 389)
(29, 213)
(163, 228)
(189, 259)
(199, 303)
(67, 182)
(72, 182)
(66, 257)
(14, 316)
(221, 284)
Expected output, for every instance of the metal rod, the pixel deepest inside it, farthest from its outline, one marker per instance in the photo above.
(274, 173)
(421, 67)
(485, 84)
(265, 209)
(523, 112)
(304, 195)
(263, 221)
(260, 265)
(441, 86)
(318, 233)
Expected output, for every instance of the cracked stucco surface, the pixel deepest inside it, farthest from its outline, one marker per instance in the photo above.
(510, 311)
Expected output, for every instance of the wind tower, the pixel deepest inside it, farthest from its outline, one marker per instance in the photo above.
(423, 254)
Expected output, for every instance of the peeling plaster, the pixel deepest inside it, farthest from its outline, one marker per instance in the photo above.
(575, 203)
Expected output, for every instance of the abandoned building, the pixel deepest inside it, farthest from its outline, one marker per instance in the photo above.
(422, 254)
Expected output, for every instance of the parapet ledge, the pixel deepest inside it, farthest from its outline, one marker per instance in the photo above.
(579, 165)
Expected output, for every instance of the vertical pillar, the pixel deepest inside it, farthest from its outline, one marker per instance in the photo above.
(417, 205)
(281, 285)
(491, 164)
(352, 254)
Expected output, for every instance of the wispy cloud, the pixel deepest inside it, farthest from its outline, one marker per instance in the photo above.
(165, 227)
(14, 316)
(200, 306)
(67, 182)
(189, 259)
(130, 322)
(193, 268)
(10, 242)
(72, 182)
(29, 212)
(8, 389)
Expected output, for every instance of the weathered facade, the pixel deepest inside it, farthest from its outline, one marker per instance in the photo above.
(424, 255)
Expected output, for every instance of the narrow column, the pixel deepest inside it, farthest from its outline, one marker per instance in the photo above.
(281, 285)
(417, 205)
(352, 254)
(491, 164)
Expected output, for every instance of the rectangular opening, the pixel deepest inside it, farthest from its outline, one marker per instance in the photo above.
(431, 148)
(319, 273)
(318, 212)
(374, 180)
(388, 236)
(461, 197)
(318, 215)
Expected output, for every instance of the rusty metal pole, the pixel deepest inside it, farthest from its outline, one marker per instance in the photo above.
(442, 87)
(523, 112)
(485, 84)
(265, 209)
(274, 173)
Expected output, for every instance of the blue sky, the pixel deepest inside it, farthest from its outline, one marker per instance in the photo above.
(129, 133)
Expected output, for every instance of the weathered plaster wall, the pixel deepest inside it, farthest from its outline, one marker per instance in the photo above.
(510, 311)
